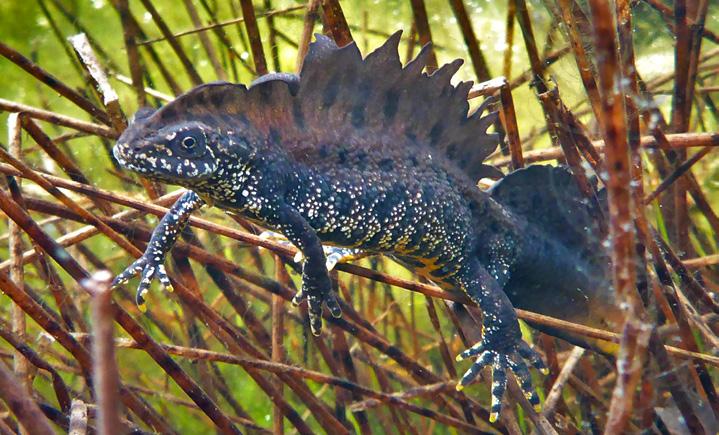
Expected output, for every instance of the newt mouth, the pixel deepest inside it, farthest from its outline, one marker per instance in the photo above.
(119, 152)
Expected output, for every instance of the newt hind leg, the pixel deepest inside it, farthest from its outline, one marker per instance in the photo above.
(502, 346)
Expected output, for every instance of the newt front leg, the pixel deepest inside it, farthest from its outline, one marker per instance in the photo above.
(151, 264)
(316, 284)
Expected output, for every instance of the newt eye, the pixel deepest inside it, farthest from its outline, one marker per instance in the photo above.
(189, 143)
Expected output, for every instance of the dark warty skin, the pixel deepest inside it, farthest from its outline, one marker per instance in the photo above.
(349, 154)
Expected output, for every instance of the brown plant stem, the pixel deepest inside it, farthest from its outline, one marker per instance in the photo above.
(106, 377)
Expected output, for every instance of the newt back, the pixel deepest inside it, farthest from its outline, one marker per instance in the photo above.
(372, 104)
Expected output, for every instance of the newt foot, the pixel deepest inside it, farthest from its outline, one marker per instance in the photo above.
(501, 360)
(149, 266)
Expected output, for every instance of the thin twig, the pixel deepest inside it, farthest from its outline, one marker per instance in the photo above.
(556, 392)
(200, 29)
(78, 418)
(253, 33)
(22, 404)
(679, 140)
(59, 119)
(109, 97)
(17, 272)
(174, 43)
(335, 22)
(106, 377)
(53, 82)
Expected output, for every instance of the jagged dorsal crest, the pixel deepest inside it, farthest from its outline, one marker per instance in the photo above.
(338, 94)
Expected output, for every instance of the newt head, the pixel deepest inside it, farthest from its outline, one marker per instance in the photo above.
(179, 153)
(198, 137)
